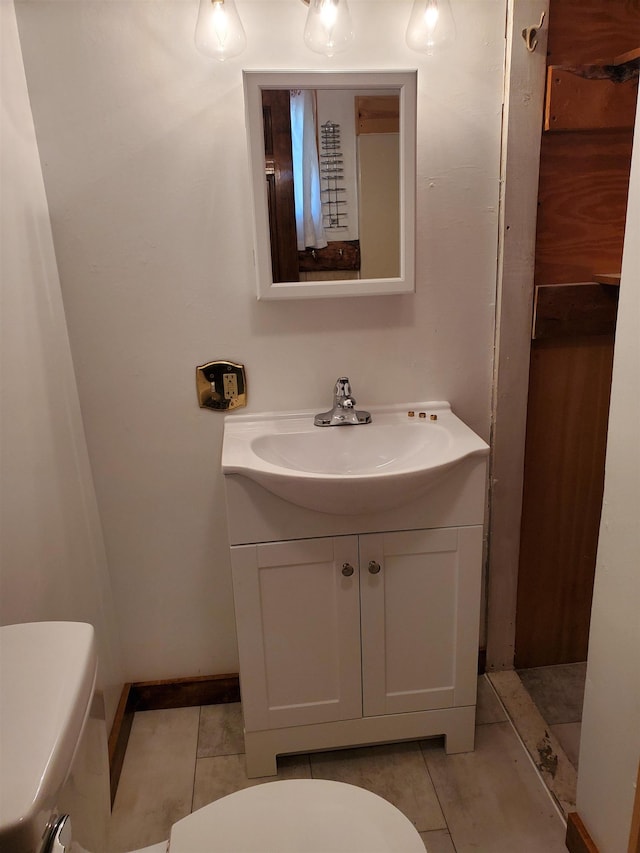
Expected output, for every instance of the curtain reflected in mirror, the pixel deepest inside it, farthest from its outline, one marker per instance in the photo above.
(332, 167)
(307, 192)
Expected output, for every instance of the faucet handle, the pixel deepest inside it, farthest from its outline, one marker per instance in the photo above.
(343, 387)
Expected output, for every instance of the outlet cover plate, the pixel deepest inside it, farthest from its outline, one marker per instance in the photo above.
(221, 386)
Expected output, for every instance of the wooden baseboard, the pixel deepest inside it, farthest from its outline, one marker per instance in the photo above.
(155, 695)
(578, 839)
(634, 835)
(118, 739)
(482, 661)
(185, 692)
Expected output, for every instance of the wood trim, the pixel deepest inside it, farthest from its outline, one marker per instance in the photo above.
(119, 738)
(572, 310)
(578, 839)
(279, 178)
(156, 695)
(634, 835)
(523, 110)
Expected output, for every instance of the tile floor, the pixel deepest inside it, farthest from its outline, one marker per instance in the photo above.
(558, 693)
(488, 801)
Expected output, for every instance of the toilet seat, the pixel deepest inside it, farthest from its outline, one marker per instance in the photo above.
(297, 816)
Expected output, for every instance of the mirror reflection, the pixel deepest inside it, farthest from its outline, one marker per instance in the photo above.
(332, 170)
(332, 157)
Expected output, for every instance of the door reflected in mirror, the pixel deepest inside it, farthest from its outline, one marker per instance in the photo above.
(333, 174)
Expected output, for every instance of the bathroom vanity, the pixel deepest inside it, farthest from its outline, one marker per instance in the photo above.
(353, 628)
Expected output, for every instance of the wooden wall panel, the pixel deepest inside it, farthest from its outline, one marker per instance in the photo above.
(584, 176)
(573, 310)
(582, 203)
(574, 102)
(377, 114)
(564, 476)
(585, 31)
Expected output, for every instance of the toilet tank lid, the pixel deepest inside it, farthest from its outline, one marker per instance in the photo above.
(47, 678)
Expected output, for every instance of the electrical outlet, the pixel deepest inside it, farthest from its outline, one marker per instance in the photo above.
(230, 385)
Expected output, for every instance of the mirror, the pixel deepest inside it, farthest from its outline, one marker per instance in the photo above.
(332, 164)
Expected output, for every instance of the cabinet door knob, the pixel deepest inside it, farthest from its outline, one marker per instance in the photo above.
(347, 570)
(374, 567)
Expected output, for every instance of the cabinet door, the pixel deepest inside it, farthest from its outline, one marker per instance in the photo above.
(298, 622)
(420, 619)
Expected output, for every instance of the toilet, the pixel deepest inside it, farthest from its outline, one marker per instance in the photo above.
(297, 816)
(54, 788)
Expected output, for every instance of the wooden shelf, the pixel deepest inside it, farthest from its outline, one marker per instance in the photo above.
(630, 58)
(612, 279)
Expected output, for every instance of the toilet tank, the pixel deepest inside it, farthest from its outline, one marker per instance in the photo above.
(52, 737)
(86, 793)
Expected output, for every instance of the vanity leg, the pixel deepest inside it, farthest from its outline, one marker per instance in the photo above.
(260, 758)
(460, 734)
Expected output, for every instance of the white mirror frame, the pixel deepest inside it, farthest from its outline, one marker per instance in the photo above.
(405, 82)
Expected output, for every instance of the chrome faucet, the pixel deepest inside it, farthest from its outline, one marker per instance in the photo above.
(344, 408)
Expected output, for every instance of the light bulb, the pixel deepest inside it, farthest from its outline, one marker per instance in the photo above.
(431, 26)
(219, 30)
(328, 29)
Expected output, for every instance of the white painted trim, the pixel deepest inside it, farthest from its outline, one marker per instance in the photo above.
(522, 128)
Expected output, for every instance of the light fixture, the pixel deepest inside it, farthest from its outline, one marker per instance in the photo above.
(219, 30)
(431, 26)
(328, 28)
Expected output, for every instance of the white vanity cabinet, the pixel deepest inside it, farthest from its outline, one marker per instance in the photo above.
(354, 639)
(355, 627)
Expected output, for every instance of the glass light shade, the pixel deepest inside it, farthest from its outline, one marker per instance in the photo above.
(431, 26)
(328, 28)
(219, 30)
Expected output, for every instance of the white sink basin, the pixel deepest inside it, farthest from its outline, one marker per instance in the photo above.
(350, 470)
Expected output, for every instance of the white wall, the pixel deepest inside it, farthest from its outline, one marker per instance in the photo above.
(610, 742)
(144, 156)
(52, 558)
